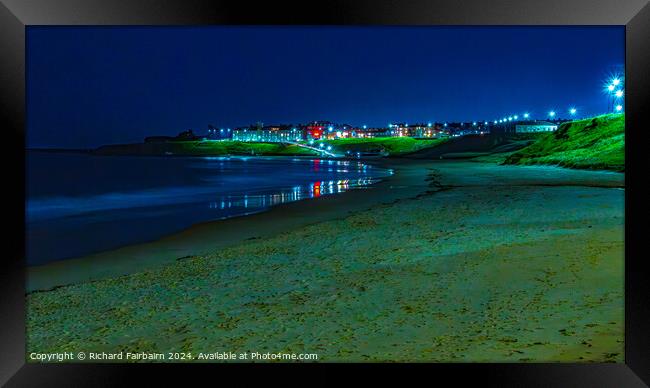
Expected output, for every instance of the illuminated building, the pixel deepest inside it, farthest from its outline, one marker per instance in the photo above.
(268, 134)
(535, 126)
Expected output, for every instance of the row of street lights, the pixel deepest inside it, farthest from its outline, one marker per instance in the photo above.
(615, 88)
(551, 114)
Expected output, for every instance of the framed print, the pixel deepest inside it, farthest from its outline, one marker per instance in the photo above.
(240, 185)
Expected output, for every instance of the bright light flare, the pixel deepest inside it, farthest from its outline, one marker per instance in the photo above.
(619, 108)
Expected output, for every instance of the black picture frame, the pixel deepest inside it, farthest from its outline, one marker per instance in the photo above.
(16, 15)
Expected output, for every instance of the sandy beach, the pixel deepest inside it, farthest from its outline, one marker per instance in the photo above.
(443, 261)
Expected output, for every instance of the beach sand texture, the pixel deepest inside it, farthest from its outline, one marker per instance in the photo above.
(476, 263)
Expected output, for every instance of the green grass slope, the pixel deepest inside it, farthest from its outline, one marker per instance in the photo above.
(238, 148)
(392, 145)
(205, 148)
(593, 143)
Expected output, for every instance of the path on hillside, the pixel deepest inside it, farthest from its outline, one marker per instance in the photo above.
(469, 143)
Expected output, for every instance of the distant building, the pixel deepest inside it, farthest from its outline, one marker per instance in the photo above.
(369, 132)
(401, 130)
(317, 130)
(426, 131)
(535, 126)
(336, 131)
(268, 134)
(186, 136)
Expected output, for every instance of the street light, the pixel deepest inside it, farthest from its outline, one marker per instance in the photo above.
(551, 114)
(525, 115)
(616, 81)
(572, 111)
(619, 108)
(516, 117)
(619, 94)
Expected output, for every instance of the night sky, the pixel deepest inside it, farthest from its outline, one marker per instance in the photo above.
(93, 86)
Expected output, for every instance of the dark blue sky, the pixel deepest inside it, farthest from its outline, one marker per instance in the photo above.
(89, 86)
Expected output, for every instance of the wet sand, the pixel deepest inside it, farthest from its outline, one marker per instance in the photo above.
(450, 261)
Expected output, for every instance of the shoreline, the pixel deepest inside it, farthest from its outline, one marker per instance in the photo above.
(205, 237)
(410, 179)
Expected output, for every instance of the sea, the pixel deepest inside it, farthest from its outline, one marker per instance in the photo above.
(78, 204)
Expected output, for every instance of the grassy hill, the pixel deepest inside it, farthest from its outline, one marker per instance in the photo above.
(594, 143)
(239, 148)
(392, 145)
(204, 148)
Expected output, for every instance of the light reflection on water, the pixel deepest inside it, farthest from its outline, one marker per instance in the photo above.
(300, 192)
(80, 204)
